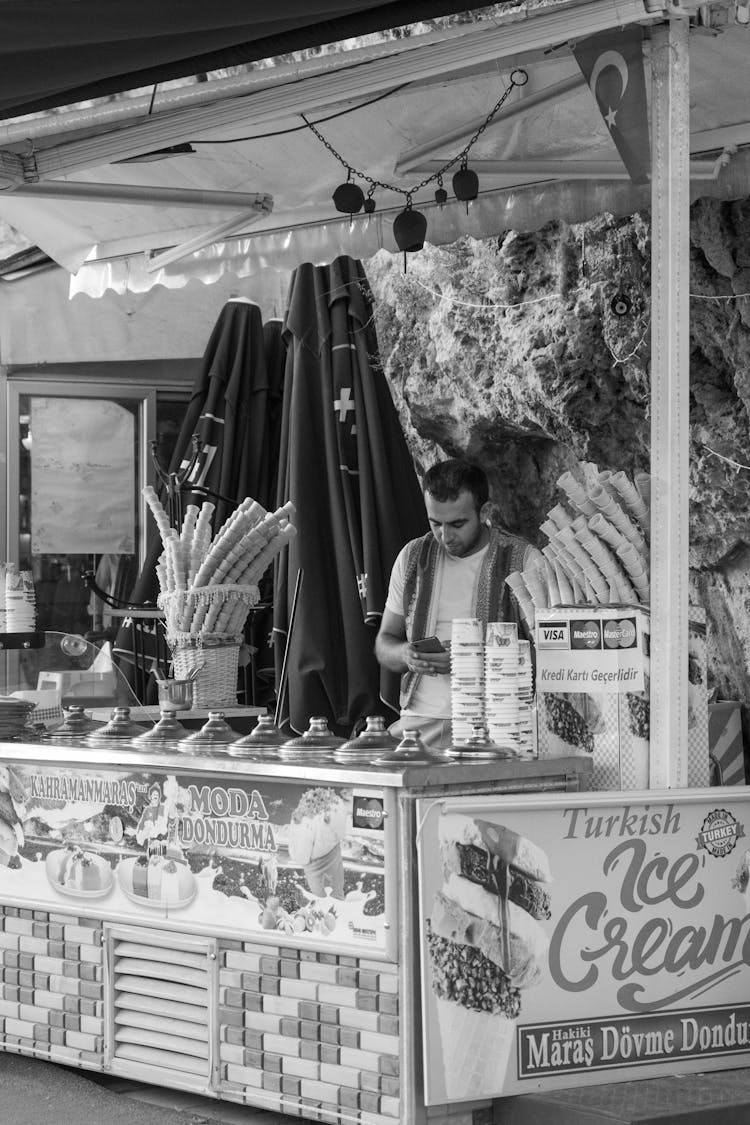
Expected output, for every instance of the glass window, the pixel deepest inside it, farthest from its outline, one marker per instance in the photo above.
(78, 459)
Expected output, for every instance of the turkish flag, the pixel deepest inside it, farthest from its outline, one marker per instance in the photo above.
(612, 64)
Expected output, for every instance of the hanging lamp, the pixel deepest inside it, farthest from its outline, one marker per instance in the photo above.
(465, 184)
(409, 230)
(349, 197)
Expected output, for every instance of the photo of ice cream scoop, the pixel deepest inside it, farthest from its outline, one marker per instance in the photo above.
(317, 827)
(485, 946)
(741, 880)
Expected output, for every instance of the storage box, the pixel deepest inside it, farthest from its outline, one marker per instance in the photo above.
(593, 694)
(725, 745)
(80, 686)
(591, 675)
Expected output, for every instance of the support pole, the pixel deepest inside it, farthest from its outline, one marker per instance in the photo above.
(670, 401)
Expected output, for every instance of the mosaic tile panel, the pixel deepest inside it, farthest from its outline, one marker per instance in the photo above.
(51, 986)
(312, 1034)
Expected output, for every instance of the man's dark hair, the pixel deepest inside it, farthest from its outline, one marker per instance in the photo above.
(447, 479)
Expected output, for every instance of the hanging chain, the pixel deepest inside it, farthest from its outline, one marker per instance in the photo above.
(517, 78)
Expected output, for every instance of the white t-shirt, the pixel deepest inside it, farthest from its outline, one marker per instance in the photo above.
(457, 580)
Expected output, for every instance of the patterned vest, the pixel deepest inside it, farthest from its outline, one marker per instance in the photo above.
(494, 600)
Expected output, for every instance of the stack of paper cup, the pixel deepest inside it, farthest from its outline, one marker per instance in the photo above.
(20, 600)
(526, 745)
(501, 682)
(467, 677)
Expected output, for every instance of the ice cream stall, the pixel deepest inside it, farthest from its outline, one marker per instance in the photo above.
(211, 915)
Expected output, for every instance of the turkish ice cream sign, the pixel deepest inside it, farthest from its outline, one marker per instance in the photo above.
(590, 649)
(306, 861)
(586, 940)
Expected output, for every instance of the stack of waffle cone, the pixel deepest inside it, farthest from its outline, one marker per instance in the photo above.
(476, 1049)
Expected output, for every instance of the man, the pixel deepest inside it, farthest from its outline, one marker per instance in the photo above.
(457, 570)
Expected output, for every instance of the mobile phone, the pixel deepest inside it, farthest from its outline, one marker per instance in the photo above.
(428, 644)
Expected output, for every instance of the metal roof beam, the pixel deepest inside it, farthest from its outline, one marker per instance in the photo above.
(543, 169)
(131, 193)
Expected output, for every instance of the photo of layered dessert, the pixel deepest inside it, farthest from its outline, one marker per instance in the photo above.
(485, 946)
(79, 873)
(159, 878)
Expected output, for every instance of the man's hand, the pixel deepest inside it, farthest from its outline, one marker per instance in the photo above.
(426, 663)
(395, 652)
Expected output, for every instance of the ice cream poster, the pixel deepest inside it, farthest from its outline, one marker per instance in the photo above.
(566, 941)
(305, 861)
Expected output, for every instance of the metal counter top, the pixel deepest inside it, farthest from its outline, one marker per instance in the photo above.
(512, 773)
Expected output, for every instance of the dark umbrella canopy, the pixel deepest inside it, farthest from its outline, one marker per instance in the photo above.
(345, 465)
(228, 411)
(275, 349)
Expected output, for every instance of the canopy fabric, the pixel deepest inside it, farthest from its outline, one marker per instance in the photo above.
(395, 118)
(56, 52)
(345, 465)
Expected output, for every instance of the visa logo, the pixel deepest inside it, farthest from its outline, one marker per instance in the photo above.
(553, 634)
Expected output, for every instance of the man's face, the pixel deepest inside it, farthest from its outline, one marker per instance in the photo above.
(456, 524)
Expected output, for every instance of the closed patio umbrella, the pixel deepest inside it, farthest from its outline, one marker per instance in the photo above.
(228, 411)
(345, 465)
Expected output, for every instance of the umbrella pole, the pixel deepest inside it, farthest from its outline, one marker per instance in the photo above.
(283, 676)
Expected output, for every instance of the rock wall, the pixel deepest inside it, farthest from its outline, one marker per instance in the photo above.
(530, 354)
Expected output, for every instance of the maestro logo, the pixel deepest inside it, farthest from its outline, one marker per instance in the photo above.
(368, 812)
(620, 633)
(585, 634)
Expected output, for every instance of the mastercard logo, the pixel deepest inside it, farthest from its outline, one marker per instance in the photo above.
(620, 633)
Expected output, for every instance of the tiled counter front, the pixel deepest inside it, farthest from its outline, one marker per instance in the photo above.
(52, 986)
(311, 1033)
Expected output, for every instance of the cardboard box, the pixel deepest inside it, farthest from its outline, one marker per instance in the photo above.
(80, 687)
(596, 658)
(591, 677)
(725, 745)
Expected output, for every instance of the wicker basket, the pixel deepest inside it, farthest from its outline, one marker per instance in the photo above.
(215, 682)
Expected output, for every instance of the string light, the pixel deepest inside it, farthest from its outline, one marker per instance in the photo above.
(736, 465)
(486, 304)
(718, 296)
(465, 181)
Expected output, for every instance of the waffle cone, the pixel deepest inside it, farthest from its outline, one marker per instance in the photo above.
(476, 1050)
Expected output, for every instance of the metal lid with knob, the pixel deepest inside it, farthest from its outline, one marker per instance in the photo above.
(120, 728)
(318, 740)
(411, 750)
(479, 747)
(368, 744)
(164, 735)
(263, 741)
(76, 725)
(214, 737)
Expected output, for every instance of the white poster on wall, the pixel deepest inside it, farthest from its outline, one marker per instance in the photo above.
(82, 477)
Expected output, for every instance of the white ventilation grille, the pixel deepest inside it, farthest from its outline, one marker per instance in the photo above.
(162, 1003)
